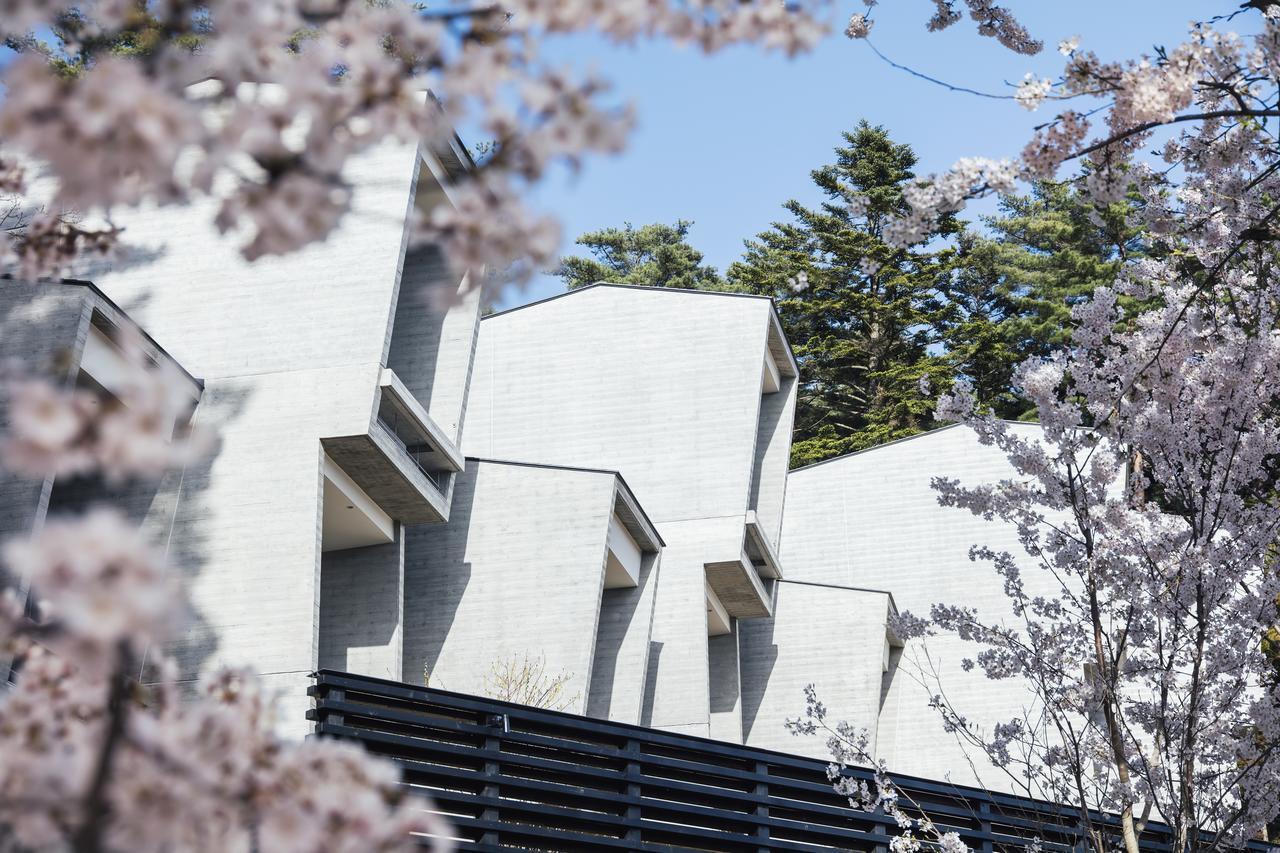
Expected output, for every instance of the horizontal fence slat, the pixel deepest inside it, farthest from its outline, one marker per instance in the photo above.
(510, 777)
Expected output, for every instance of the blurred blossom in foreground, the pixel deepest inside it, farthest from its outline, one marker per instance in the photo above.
(290, 90)
(98, 749)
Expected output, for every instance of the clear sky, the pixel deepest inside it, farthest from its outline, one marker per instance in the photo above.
(724, 140)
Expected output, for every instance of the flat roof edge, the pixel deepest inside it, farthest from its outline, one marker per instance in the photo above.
(905, 438)
(616, 286)
(622, 482)
(110, 303)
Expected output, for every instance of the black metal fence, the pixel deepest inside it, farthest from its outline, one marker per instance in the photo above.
(514, 777)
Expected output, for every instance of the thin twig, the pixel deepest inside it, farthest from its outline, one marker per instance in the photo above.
(950, 86)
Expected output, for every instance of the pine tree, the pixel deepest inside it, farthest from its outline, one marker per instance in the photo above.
(655, 255)
(1012, 289)
(860, 315)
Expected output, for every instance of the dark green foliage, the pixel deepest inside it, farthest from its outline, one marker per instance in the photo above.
(655, 255)
(1013, 288)
(865, 338)
(143, 35)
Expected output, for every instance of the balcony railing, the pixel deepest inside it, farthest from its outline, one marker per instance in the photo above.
(513, 777)
(419, 452)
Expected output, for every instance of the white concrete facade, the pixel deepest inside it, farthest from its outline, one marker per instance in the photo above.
(688, 395)
(300, 358)
(623, 514)
(519, 575)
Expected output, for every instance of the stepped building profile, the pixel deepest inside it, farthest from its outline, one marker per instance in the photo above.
(596, 483)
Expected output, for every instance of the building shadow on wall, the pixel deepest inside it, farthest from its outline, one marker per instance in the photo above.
(436, 578)
(618, 609)
(650, 683)
(174, 521)
(167, 509)
(758, 654)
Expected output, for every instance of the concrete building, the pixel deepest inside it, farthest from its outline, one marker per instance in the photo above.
(622, 518)
(70, 336)
(547, 566)
(335, 379)
(690, 396)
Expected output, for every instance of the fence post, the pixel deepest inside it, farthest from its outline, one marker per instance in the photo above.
(634, 814)
(984, 824)
(492, 789)
(331, 694)
(762, 807)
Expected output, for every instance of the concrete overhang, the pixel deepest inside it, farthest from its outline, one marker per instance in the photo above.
(719, 622)
(405, 463)
(623, 558)
(738, 586)
(631, 536)
(350, 518)
(633, 516)
(380, 465)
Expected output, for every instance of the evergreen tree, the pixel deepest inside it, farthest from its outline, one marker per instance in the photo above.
(860, 315)
(656, 255)
(142, 35)
(1012, 289)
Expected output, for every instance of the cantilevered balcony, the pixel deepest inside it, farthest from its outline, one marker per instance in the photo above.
(742, 587)
(405, 462)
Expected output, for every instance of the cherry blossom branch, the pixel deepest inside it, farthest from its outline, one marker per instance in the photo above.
(1152, 125)
(94, 809)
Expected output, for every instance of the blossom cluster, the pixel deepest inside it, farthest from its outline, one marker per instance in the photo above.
(142, 428)
(1148, 504)
(1217, 88)
(1146, 507)
(101, 747)
(262, 104)
(993, 21)
(851, 747)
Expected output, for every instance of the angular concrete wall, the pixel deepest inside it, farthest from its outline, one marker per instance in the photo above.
(725, 687)
(518, 572)
(621, 658)
(665, 387)
(832, 637)
(42, 327)
(871, 519)
(660, 385)
(433, 340)
(291, 349)
(678, 692)
(772, 456)
(328, 305)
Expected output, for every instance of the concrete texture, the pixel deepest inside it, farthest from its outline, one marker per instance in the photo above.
(432, 346)
(518, 574)
(871, 519)
(362, 609)
(725, 687)
(292, 350)
(574, 402)
(648, 382)
(831, 637)
(664, 386)
(623, 634)
(43, 327)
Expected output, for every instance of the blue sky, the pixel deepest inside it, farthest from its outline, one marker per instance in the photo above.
(724, 140)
